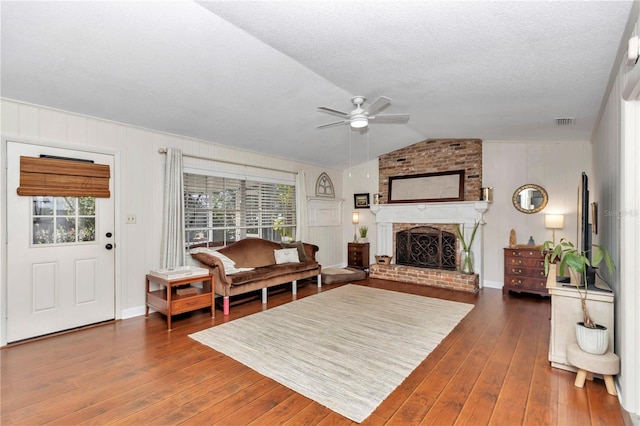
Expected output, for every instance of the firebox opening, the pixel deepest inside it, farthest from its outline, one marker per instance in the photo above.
(426, 247)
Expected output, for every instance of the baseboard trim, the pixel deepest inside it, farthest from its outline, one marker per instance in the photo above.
(493, 284)
(133, 312)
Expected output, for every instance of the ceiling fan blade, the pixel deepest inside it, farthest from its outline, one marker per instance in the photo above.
(334, 112)
(390, 118)
(379, 104)
(335, 123)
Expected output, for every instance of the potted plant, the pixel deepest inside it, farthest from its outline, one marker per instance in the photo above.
(466, 256)
(279, 225)
(363, 233)
(591, 337)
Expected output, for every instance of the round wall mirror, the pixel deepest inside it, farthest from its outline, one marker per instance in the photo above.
(530, 198)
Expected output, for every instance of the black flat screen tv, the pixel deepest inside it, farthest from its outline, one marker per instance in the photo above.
(584, 226)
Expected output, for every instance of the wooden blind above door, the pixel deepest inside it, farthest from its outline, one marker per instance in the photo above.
(49, 176)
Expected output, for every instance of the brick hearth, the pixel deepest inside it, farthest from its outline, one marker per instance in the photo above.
(432, 277)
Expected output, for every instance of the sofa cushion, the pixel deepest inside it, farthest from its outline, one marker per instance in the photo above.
(302, 255)
(267, 272)
(287, 255)
(251, 252)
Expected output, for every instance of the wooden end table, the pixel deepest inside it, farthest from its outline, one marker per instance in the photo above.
(168, 303)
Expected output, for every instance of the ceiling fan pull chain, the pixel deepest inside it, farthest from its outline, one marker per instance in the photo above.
(349, 130)
(368, 165)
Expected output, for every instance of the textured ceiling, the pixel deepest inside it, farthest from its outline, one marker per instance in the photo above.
(251, 74)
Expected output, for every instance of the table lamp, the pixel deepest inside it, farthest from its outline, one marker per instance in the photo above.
(355, 219)
(553, 222)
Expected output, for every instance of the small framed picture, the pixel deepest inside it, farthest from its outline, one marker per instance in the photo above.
(361, 201)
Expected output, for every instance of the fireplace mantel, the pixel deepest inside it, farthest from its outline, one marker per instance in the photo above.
(466, 213)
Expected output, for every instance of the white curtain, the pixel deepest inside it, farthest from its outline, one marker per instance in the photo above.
(173, 245)
(302, 221)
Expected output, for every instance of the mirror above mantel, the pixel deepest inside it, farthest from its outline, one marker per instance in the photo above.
(530, 198)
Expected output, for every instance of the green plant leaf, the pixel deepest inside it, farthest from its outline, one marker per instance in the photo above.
(563, 265)
(576, 261)
(597, 256)
(608, 261)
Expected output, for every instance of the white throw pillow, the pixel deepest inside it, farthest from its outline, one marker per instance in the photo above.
(229, 264)
(288, 255)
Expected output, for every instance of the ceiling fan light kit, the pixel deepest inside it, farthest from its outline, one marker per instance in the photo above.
(359, 118)
(359, 122)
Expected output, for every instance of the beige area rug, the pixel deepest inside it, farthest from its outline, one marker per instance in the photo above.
(346, 348)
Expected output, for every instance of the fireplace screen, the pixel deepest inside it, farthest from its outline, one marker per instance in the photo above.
(426, 247)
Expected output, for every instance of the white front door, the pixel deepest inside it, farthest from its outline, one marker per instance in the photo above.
(60, 253)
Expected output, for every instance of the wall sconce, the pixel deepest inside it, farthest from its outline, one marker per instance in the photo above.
(355, 219)
(553, 222)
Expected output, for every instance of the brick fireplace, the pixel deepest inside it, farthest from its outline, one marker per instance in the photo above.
(431, 156)
(393, 217)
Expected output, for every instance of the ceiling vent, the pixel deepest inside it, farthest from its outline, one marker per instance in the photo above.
(565, 121)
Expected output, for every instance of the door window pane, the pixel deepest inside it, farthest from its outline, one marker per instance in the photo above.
(65, 206)
(87, 229)
(65, 230)
(43, 230)
(87, 206)
(42, 206)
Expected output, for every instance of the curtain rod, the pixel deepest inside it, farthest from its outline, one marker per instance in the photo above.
(198, 157)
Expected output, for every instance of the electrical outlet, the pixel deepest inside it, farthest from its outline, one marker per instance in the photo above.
(131, 219)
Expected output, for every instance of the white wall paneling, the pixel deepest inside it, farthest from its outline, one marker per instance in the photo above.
(616, 185)
(556, 166)
(139, 182)
(361, 179)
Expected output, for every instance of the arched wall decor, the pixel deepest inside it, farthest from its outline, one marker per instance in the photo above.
(324, 186)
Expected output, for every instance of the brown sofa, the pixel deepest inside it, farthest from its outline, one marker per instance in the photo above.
(256, 268)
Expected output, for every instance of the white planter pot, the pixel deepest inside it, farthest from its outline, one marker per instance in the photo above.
(592, 340)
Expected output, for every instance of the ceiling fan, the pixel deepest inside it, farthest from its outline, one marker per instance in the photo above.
(359, 118)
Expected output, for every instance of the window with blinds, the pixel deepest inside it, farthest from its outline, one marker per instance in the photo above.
(222, 210)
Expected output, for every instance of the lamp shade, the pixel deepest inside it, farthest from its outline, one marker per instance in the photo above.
(554, 221)
(355, 218)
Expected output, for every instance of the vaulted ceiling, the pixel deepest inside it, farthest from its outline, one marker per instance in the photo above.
(250, 74)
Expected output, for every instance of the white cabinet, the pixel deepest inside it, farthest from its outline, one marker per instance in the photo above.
(566, 312)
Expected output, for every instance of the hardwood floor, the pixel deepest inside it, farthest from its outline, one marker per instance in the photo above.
(491, 369)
